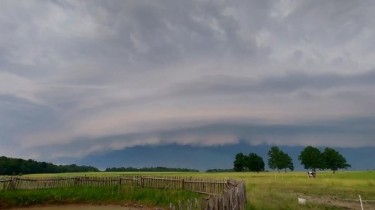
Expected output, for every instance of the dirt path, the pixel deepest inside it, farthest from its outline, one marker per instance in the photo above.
(341, 203)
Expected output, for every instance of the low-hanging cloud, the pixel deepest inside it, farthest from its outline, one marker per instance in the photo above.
(86, 77)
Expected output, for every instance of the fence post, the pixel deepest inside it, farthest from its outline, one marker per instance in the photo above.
(360, 200)
(180, 207)
(171, 206)
(119, 185)
(12, 184)
(196, 204)
(182, 183)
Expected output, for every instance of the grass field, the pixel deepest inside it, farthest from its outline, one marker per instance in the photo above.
(271, 190)
(109, 195)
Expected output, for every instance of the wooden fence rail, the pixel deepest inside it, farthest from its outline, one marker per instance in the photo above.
(232, 198)
(222, 194)
(187, 183)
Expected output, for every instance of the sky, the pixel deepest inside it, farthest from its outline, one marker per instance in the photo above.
(90, 77)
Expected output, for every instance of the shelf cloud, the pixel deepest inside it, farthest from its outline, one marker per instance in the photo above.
(85, 77)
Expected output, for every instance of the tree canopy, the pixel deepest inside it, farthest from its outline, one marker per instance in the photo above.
(16, 166)
(254, 162)
(239, 162)
(277, 159)
(251, 162)
(311, 158)
(334, 160)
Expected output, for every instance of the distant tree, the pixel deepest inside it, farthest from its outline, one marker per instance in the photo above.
(239, 162)
(215, 170)
(286, 162)
(254, 162)
(334, 160)
(277, 159)
(15, 166)
(150, 169)
(273, 154)
(311, 158)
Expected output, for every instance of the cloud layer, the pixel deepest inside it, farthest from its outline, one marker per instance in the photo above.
(82, 77)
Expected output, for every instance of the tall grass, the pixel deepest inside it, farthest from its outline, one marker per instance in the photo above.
(94, 195)
(267, 190)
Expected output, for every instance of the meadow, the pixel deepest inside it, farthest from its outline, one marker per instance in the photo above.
(266, 190)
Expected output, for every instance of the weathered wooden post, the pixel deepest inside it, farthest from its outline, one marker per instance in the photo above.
(188, 205)
(119, 185)
(182, 183)
(12, 183)
(171, 206)
(180, 207)
(196, 204)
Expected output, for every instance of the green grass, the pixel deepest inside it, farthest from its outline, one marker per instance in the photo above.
(271, 190)
(94, 195)
(280, 190)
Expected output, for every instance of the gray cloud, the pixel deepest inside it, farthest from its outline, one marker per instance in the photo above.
(353, 133)
(80, 77)
(288, 83)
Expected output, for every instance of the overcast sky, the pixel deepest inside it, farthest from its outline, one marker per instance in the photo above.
(85, 77)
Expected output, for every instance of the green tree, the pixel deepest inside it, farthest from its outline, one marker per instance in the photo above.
(254, 162)
(334, 160)
(311, 158)
(286, 162)
(239, 162)
(277, 159)
(273, 156)
(14, 166)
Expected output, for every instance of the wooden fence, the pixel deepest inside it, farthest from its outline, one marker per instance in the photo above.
(222, 194)
(232, 198)
(187, 183)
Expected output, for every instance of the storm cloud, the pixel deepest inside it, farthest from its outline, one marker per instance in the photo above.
(85, 77)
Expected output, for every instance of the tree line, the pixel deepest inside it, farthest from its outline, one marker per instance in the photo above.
(310, 157)
(216, 170)
(149, 169)
(16, 166)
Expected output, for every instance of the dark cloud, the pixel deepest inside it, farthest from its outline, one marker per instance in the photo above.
(288, 83)
(352, 133)
(94, 76)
